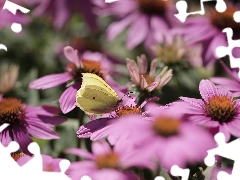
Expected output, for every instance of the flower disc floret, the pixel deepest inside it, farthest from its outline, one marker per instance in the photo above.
(109, 160)
(225, 19)
(221, 108)
(166, 126)
(127, 110)
(152, 7)
(11, 111)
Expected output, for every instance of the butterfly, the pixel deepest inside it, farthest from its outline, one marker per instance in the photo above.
(95, 96)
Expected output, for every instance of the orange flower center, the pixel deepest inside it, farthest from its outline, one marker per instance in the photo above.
(153, 7)
(221, 108)
(109, 160)
(148, 78)
(16, 156)
(88, 67)
(127, 110)
(225, 19)
(48, 168)
(11, 111)
(166, 126)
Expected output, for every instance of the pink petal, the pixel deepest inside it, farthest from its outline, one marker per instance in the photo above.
(224, 129)
(137, 32)
(40, 130)
(22, 139)
(230, 72)
(86, 130)
(196, 102)
(72, 55)
(80, 153)
(218, 40)
(159, 28)
(117, 27)
(230, 84)
(100, 147)
(50, 81)
(68, 98)
(5, 138)
(207, 89)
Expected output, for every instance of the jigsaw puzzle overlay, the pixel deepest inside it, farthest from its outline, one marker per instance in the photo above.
(220, 7)
(16, 27)
(33, 168)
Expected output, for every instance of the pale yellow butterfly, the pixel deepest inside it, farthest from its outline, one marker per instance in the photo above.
(95, 96)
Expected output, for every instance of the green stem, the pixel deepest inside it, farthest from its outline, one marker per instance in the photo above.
(81, 115)
(141, 173)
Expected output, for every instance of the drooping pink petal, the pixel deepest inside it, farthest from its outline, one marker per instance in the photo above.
(68, 98)
(51, 121)
(225, 130)
(86, 130)
(80, 153)
(218, 40)
(159, 28)
(46, 110)
(228, 83)
(50, 81)
(40, 130)
(117, 27)
(207, 89)
(85, 7)
(100, 148)
(5, 138)
(234, 128)
(231, 73)
(62, 13)
(72, 55)
(22, 139)
(134, 36)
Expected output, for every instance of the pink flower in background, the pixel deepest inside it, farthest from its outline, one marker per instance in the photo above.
(26, 120)
(208, 30)
(232, 84)
(168, 138)
(144, 80)
(175, 51)
(107, 163)
(7, 18)
(49, 164)
(62, 10)
(216, 109)
(72, 76)
(149, 21)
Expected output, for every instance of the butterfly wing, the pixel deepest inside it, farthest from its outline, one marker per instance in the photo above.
(95, 96)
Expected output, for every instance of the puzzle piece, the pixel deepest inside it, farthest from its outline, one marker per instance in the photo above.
(236, 16)
(182, 9)
(2, 46)
(222, 51)
(33, 169)
(110, 1)
(177, 171)
(228, 150)
(12, 7)
(85, 178)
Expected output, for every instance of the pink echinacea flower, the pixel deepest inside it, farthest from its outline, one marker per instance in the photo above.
(106, 163)
(149, 20)
(72, 76)
(26, 120)
(208, 31)
(216, 109)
